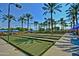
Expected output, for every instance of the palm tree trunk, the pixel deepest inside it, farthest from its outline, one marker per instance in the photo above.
(46, 27)
(49, 25)
(76, 25)
(51, 21)
(39, 27)
(61, 27)
(28, 24)
(22, 25)
(64, 28)
(73, 23)
(55, 26)
(36, 27)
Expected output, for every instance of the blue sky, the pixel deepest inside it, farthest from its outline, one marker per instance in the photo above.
(33, 8)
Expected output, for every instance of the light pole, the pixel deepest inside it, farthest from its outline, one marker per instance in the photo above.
(18, 6)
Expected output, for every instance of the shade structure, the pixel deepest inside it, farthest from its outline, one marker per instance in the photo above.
(75, 27)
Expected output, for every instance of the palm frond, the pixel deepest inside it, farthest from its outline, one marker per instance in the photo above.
(45, 12)
(22, 19)
(10, 17)
(46, 5)
(58, 6)
(44, 8)
(67, 4)
(54, 12)
(59, 10)
(27, 15)
(68, 15)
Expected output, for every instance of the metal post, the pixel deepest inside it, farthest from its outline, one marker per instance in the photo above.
(8, 21)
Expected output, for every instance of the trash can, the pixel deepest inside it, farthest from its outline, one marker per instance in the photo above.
(75, 41)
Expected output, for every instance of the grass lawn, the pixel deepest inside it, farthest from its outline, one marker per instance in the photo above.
(44, 36)
(34, 47)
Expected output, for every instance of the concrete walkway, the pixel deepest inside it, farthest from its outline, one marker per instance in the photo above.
(8, 50)
(61, 47)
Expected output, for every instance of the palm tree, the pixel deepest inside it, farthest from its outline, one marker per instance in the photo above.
(45, 24)
(40, 26)
(62, 22)
(10, 17)
(36, 24)
(55, 23)
(22, 19)
(48, 20)
(71, 15)
(28, 17)
(74, 8)
(65, 25)
(51, 8)
(71, 24)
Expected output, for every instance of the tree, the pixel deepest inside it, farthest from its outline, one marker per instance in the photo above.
(41, 27)
(28, 17)
(22, 19)
(74, 9)
(48, 21)
(62, 22)
(51, 8)
(44, 24)
(55, 23)
(10, 17)
(36, 24)
(71, 15)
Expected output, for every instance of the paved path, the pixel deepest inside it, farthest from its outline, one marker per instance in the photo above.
(44, 37)
(62, 48)
(8, 50)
